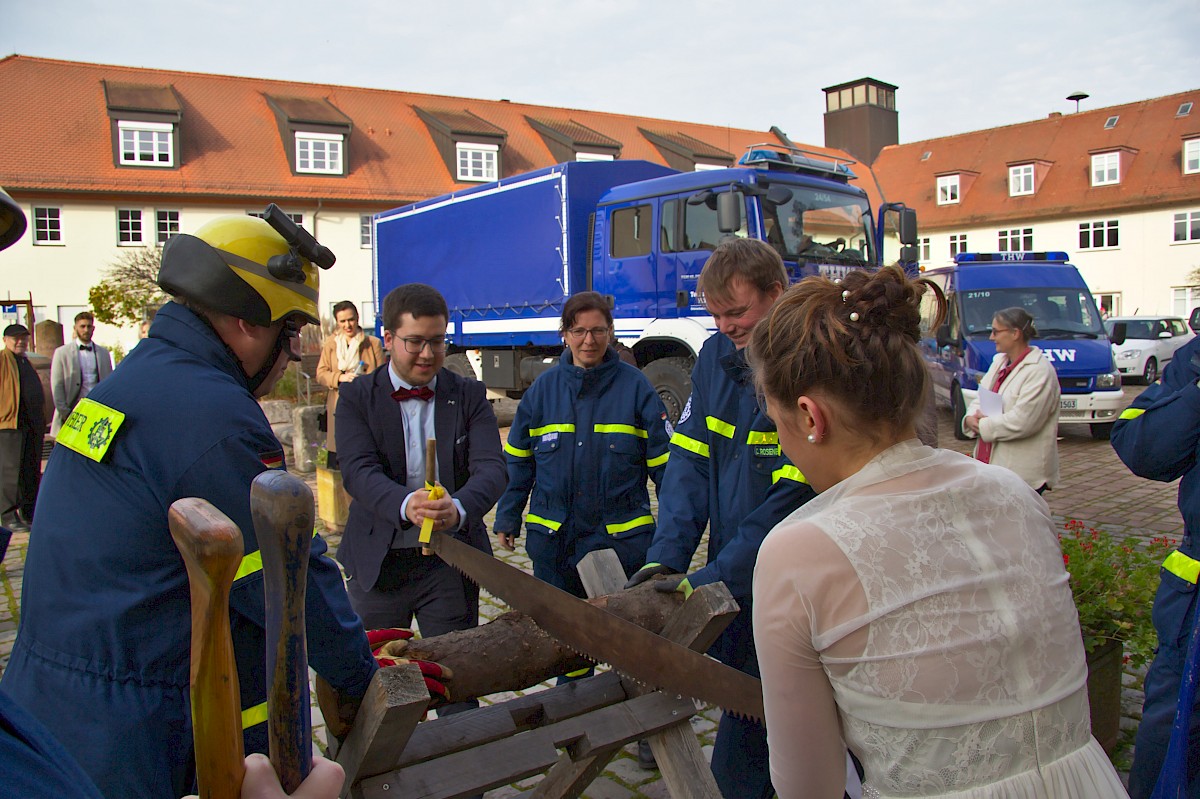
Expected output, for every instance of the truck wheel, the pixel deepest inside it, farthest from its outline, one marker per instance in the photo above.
(672, 379)
(1102, 432)
(958, 409)
(459, 364)
(1150, 373)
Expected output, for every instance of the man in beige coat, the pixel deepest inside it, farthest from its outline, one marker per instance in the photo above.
(347, 354)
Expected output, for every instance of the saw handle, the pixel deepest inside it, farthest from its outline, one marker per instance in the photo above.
(211, 546)
(282, 508)
(430, 474)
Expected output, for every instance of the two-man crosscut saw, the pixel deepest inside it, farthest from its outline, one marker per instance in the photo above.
(604, 637)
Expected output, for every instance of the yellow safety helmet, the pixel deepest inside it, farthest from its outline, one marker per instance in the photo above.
(261, 270)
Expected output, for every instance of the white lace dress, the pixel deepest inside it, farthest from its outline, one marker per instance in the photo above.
(919, 611)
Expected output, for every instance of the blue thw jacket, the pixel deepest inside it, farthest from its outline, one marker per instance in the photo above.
(102, 653)
(728, 473)
(584, 441)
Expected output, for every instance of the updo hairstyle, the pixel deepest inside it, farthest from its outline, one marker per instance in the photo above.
(855, 341)
(1019, 320)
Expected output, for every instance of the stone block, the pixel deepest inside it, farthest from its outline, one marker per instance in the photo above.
(306, 439)
(277, 411)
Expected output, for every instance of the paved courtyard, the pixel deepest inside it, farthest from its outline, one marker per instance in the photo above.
(1096, 489)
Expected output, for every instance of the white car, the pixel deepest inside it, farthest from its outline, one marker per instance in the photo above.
(1150, 343)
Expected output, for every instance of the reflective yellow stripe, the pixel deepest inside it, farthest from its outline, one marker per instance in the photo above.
(90, 428)
(252, 563)
(759, 437)
(1182, 566)
(659, 461)
(254, 715)
(690, 444)
(519, 453)
(549, 523)
(720, 426)
(1132, 413)
(640, 521)
(551, 428)
(787, 473)
(627, 429)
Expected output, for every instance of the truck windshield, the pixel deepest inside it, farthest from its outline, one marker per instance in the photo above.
(1058, 313)
(820, 226)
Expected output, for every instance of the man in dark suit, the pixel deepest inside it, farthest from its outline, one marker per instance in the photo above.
(383, 422)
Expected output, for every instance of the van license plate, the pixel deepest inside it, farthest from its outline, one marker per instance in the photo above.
(1066, 404)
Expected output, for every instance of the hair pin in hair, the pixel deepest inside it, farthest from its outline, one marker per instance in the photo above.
(854, 316)
(845, 294)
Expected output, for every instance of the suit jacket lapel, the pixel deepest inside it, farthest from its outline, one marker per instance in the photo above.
(391, 427)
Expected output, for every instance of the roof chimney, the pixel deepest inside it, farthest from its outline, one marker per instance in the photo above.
(860, 118)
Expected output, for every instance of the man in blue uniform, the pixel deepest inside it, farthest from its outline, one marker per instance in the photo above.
(727, 472)
(586, 437)
(102, 652)
(1157, 437)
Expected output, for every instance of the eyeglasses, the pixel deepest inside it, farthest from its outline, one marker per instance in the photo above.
(578, 333)
(416, 345)
(998, 330)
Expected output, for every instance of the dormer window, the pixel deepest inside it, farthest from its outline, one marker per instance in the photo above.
(470, 146)
(687, 153)
(477, 162)
(146, 144)
(1020, 180)
(568, 140)
(947, 190)
(1191, 157)
(145, 124)
(1106, 169)
(314, 133)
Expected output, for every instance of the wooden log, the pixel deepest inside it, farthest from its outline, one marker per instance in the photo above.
(512, 653)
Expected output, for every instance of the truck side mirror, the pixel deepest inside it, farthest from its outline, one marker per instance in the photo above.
(729, 211)
(943, 336)
(908, 254)
(908, 229)
(1117, 336)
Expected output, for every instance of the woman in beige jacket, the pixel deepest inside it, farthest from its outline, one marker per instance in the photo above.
(1024, 438)
(345, 355)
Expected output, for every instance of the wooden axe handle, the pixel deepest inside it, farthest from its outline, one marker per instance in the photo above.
(282, 508)
(211, 546)
(430, 473)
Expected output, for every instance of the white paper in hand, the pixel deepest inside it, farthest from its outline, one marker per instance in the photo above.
(990, 403)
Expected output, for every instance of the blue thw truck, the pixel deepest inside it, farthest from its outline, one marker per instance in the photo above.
(506, 255)
(1069, 331)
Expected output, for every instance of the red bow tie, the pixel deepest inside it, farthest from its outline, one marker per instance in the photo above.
(420, 392)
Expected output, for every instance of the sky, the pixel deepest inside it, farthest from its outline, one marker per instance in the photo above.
(960, 65)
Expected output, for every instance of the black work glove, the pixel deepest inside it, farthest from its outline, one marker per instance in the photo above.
(646, 572)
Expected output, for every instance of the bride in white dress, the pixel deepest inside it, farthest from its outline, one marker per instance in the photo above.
(917, 611)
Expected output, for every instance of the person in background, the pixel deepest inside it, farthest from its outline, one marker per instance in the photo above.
(1158, 437)
(22, 429)
(917, 610)
(347, 354)
(727, 473)
(586, 437)
(76, 368)
(1024, 438)
(143, 329)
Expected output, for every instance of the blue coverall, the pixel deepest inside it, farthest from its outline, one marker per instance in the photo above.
(584, 441)
(727, 472)
(34, 765)
(102, 653)
(1157, 437)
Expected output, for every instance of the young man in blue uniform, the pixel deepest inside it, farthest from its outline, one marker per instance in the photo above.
(727, 473)
(1158, 437)
(586, 437)
(102, 653)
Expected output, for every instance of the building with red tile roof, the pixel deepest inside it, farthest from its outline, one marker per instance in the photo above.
(1117, 188)
(108, 157)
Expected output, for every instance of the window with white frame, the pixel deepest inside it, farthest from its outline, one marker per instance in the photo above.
(1184, 299)
(1106, 169)
(1191, 156)
(1016, 240)
(1099, 235)
(925, 250)
(593, 156)
(947, 190)
(364, 231)
(319, 153)
(47, 225)
(146, 143)
(1020, 180)
(297, 218)
(129, 226)
(958, 243)
(477, 162)
(1187, 226)
(166, 225)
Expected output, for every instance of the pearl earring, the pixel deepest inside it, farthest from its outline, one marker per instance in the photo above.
(812, 439)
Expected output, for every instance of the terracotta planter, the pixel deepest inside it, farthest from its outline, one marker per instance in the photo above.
(1104, 693)
(333, 503)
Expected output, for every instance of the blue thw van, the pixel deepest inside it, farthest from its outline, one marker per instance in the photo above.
(1070, 332)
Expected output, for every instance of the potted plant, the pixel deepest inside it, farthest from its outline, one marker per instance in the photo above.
(1113, 583)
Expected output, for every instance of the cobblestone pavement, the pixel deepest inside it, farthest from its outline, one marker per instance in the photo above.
(1096, 489)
